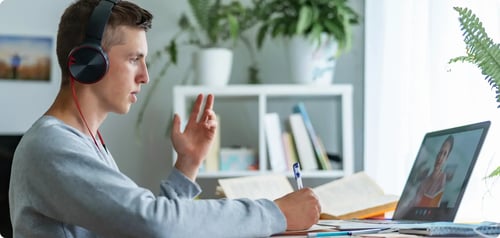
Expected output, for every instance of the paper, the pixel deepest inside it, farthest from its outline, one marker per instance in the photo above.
(352, 194)
(255, 187)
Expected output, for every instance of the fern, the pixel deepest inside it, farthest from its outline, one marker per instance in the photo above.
(481, 50)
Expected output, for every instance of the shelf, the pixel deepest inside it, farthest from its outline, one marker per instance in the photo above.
(267, 98)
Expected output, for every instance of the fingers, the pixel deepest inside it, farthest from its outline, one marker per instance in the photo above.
(208, 113)
(196, 109)
(176, 124)
(209, 104)
(211, 120)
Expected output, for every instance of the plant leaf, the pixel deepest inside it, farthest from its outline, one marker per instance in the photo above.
(261, 35)
(200, 11)
(305, 19)
(495, 173)
(233, 27)
(481, 50)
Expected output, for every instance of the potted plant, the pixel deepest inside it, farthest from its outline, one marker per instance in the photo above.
(481, 51)
(316, 32)
(216, 28)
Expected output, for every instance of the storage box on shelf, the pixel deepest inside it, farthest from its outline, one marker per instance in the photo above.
(242, 110)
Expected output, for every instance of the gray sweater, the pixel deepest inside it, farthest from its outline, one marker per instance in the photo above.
(63, 186)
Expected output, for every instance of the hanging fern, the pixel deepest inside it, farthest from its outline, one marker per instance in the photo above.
(481, 50)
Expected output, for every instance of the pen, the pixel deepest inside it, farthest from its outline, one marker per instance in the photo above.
(342, 233)
(296, 174)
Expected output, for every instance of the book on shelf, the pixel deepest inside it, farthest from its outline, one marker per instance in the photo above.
(317, 145)
(290, 151)
(275, 148)
(305, 151)
(325, 160)
(354, 196)
(212, 161)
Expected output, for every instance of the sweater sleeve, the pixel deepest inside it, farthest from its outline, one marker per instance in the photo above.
(177, 185)
(70, 184)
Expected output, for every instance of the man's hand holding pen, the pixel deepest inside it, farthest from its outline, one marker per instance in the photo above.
(301, 208)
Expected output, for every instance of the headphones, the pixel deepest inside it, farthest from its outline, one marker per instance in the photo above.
(87, 63)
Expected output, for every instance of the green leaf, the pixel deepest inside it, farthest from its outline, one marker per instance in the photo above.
(279, 28)
(261, 35)
(305, 18)
(461, 59)
(481, 50)
(172, 50)
(200, 9)
(495, 173)
(233, 27)
(316, 33)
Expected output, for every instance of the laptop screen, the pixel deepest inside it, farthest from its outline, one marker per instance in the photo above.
(440, 173)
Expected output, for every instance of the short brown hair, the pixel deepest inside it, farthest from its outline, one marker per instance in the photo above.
(73, 25)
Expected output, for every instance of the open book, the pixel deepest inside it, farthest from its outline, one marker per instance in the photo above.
(354, 196)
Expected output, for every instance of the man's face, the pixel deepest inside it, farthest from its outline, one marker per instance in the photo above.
(127, 71)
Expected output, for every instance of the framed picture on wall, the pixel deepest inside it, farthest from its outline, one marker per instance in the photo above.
(25, 58)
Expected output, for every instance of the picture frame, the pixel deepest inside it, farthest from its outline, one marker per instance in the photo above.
(25, 58)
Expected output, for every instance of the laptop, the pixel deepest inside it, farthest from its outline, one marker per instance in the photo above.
(439, 176)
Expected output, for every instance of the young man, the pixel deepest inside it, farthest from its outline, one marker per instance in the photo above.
(65, 183)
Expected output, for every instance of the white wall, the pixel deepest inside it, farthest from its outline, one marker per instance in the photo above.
(23, 102)
(146, 159)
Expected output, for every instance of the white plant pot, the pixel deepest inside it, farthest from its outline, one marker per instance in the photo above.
(310, 63)
(212, 66)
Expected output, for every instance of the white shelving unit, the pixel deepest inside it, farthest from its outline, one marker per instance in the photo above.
(263, 95)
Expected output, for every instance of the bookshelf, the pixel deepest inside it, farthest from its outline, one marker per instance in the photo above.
(241, 109)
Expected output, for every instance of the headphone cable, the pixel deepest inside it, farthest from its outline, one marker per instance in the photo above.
(75, 99)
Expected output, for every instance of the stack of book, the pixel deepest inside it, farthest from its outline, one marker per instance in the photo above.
(300, 143)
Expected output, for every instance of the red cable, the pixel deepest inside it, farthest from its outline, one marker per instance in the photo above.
(75, 98)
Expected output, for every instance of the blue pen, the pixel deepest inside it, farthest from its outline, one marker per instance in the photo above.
(297, 175)
(343, 233)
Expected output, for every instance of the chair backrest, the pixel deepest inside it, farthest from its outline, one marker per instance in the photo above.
(8, 144)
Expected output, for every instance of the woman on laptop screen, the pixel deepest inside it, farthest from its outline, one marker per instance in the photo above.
(431, 190)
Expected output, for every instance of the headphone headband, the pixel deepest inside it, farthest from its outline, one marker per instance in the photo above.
(98, 19)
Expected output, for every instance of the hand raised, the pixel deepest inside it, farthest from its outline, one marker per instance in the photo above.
(193, 143)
